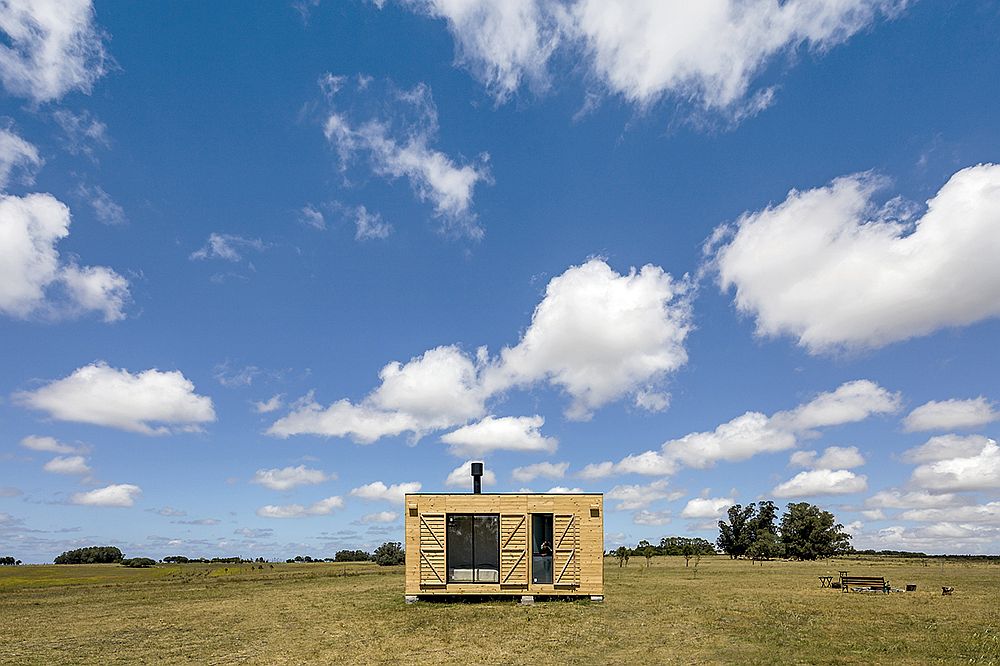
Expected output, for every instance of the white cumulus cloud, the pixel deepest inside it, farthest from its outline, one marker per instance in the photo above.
(739, 439)
(980, 471)
(833, 457)
(504, 44)
(638, 496)
(380, 517)
(829, 268)
(507, 433)
(753, 433)
(436, 390)
(705, 53)
(913, 499)
(287, 478)
(944, 447)
(119, 495)
(149, 402)
(547, 470)
(706, 507)
(653, 518)
(379, 491)
(821, 482)
(321, 508)
(972, 513)
(48, 444)
(944, 537)
(35, 280)
(50, 48)
(599, 335)
(598, 470)
(850, 402)
(67, 465)
(272, 404)
(951, 415)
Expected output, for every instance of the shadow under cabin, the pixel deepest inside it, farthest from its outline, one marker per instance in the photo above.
(513, 544)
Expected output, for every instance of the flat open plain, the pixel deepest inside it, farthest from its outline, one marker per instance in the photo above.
(727, 612)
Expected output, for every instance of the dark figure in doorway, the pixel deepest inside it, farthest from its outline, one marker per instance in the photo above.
(545, 548)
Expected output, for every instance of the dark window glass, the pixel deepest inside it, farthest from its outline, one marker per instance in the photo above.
(541, 548)
(473, 543)
(461, 568)
(487, 548)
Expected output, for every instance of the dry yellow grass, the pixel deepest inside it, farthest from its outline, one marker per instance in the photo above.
(732, 612)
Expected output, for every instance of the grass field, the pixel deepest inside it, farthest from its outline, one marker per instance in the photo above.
(731, 612)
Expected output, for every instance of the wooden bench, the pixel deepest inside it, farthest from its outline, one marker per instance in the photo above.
(870, 582)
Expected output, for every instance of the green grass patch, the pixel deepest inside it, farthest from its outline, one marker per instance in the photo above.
(727, 612)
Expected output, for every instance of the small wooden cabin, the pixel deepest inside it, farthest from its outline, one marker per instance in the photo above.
(538, 544)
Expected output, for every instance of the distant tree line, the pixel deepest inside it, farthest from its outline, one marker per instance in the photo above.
(352, 556)
(9, 562)
(906, 554)
(307, 558)
(91, 555)
(181, 559)
(687, 547)
(806, 532)
(671, 545)
(388, 554)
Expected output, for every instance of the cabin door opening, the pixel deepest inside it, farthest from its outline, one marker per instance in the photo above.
(541, 548)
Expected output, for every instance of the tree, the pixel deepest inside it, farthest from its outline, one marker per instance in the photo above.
(9, 561)
(808, 533)
(766, 519)
(736, 536)
(687, 550)
(389, 554)
(91, 555)
(674, 545)
(138, 562)
(351, 556)
(622, 554)
(765, 543)
(766, 546)
(648, 551)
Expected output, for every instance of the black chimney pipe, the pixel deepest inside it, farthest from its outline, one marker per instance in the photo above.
(477, 478)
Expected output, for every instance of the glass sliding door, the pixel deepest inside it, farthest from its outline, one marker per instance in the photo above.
(473, 544)
(461, 567)
(486, 548)
(541, 548)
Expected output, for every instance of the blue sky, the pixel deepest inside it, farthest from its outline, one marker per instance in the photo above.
(263, 269)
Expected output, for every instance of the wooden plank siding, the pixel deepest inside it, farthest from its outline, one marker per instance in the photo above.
(578, 542)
